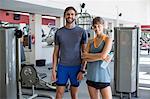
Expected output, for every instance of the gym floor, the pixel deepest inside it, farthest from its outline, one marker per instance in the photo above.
(144, 82)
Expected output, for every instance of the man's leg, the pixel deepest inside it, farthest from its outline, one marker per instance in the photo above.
(62, 78)
(74, 92)
(60, 92)
(74, 82)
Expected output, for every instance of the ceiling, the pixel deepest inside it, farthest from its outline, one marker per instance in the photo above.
(29, 8)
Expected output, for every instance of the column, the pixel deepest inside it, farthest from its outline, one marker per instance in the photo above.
(35, 31)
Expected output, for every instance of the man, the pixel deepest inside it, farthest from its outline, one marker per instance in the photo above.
(70, 42)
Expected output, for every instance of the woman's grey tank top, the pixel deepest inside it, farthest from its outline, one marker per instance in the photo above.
(94, 70)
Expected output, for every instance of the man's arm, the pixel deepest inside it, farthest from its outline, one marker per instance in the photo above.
(82, 70)
(86, 50)
(83, 62)
(55, 61)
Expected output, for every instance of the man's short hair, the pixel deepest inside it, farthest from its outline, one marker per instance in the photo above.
(70, 8)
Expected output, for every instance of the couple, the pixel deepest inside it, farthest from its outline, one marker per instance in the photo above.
(72, 44)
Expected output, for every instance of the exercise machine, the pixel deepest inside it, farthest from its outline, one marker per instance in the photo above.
(29, 77)
(50, 37)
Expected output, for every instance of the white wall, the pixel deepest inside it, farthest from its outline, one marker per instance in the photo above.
(148, 13)
(47, 53)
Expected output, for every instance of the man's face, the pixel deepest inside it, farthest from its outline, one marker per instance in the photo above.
(70, 16)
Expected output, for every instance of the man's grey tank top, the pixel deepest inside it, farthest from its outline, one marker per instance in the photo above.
(94, 70)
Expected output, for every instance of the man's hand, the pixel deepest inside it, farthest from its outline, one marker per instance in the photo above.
(53, 77)
(80, 76)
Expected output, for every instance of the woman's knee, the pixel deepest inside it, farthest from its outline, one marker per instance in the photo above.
(106, 93)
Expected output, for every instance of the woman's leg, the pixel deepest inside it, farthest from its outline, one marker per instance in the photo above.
(106, 93)
(93, 92)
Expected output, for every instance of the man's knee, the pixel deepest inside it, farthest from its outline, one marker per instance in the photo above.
(74, 96)
(59, 95)
(59, 92)
(74, 92)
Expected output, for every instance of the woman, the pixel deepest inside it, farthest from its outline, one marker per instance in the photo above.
(97, 51)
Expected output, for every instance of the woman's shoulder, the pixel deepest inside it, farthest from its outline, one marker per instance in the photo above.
(106, 37)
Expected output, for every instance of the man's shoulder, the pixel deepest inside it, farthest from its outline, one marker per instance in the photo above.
(80, 28)
(60, 30)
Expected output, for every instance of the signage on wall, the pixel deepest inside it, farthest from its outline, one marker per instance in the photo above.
(145, 27)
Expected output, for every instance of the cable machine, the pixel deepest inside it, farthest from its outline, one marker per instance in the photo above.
(84, 20)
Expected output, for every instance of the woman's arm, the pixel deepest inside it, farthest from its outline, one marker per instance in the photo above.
(99, 56)
(107, 47)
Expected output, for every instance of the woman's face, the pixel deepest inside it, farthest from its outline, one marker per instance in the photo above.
(98, 28)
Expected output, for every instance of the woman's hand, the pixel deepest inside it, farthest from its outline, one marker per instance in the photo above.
(85, 55)
(108, 58)
(88, 57)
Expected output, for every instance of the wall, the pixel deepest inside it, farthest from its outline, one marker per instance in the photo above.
(8, 16)
(148, 13)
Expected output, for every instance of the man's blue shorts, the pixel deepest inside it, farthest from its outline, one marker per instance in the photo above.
(67, 72)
